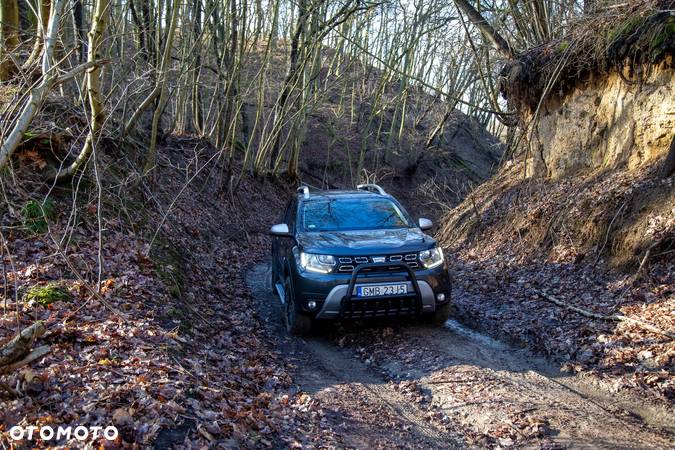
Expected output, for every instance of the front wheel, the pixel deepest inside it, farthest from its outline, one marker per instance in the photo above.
(297, 323)
(441, 315)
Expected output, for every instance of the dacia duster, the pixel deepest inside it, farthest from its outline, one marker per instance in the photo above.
(355, 254)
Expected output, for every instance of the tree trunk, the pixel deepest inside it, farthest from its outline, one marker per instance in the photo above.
(36, 354)
(289, 82)
(148, 30)
(197, 115)
(42, 23)
(259, 18)
(479, 21)
(80, 34)
(161, 83)
(24, 19)
(274, 31)
(235, 55)
(230, 67)
(98, 26)
(9, 31)
(38, 93)
(141, 29)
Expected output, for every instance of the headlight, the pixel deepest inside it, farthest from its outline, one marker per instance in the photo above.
(317, 263)
(431, 258)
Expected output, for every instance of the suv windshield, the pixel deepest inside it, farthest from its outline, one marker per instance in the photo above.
(339, 214)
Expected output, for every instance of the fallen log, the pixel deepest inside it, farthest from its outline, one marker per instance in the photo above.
(18, 347)
(36, 354)
(611, 317)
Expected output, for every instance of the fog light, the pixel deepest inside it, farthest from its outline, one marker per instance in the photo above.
(311, 304)
(440, 297)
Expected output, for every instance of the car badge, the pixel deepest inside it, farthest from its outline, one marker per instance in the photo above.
(379, 259)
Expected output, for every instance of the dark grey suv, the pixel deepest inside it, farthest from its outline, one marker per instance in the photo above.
(355, 254)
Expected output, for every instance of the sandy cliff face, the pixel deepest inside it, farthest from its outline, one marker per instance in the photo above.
(606, 123)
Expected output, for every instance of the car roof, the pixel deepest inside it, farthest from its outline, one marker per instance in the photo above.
(335, 193)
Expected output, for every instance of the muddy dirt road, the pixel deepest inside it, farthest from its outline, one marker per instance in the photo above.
(401, 384)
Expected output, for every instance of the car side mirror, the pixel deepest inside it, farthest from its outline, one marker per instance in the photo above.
(425, 224)
(281, 230)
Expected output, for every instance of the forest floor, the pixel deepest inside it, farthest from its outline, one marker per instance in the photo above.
(170, 350)
(183, 347)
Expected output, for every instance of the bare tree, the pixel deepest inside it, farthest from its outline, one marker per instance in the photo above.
(161, 87)
(44, 13)
(214, 68)
(96, 33)
(37, 93)
(484, 26)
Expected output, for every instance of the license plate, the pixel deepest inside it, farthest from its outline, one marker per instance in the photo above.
(381, 289)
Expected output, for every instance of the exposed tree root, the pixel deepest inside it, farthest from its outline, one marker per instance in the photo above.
(32, 356)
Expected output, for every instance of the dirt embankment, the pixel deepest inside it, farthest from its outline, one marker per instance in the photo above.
(605, 123)
(585, 216)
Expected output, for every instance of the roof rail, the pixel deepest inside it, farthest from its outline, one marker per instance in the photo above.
(371, 188)
(304, 190)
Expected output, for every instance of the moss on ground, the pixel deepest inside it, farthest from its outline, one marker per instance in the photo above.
(45, 295)
(36, 214)
(169, 266)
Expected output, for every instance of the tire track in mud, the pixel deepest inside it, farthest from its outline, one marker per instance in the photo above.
(483, 386)
(362, 407)
(576, 413)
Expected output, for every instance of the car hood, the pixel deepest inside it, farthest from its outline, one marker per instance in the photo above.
(365, 242)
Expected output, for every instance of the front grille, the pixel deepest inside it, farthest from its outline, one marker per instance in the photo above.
(382, 307)
(348, 263)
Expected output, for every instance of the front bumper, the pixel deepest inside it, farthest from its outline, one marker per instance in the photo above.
(329, 292)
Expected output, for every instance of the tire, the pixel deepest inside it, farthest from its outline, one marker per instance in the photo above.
(441, 315)
(297, 323)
